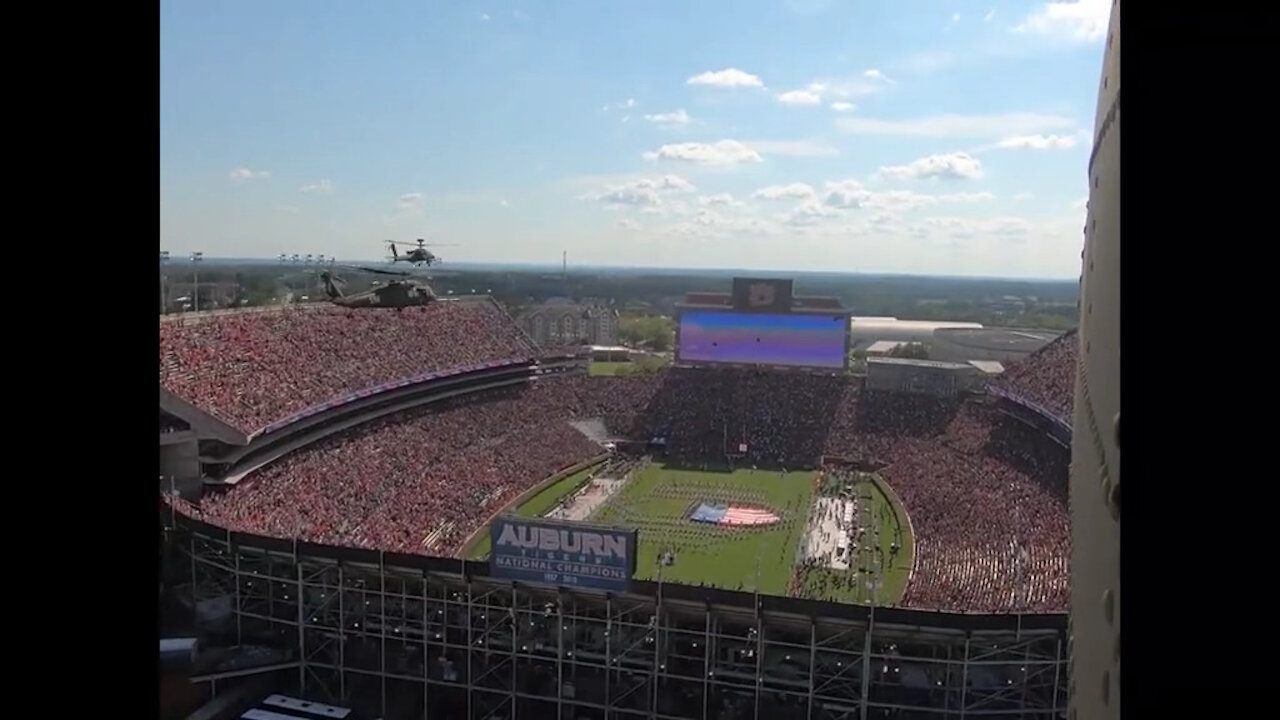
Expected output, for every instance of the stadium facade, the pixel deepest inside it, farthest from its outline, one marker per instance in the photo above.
(1095, 461)
(407, 635)
(414, 636)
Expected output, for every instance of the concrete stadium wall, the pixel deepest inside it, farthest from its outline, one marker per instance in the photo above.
(181, 461)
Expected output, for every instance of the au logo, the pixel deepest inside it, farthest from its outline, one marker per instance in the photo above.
(760, 295)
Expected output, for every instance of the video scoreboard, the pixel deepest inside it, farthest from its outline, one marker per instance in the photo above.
(763, 324)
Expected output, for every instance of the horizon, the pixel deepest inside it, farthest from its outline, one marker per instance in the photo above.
(727, 271)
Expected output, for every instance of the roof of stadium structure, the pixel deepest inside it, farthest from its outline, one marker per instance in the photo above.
(940, 364)
(1004, 339)
(871, 325)
(990, 367)
(884, 346)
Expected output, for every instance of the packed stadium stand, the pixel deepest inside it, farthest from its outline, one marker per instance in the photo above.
(252, 370)
(1046, 377)
(984, 492)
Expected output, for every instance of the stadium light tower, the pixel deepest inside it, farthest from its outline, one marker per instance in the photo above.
(196, 259)
(164, 258)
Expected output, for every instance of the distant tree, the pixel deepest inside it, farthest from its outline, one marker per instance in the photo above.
(651, 331)
(910, 351)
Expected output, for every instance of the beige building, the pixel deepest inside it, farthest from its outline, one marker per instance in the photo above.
(552, 325)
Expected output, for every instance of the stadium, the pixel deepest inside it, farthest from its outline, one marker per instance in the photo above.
(346, 487)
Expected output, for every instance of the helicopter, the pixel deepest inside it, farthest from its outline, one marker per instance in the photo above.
(402, 293)
(419, 255)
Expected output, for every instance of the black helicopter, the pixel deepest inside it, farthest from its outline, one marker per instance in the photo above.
(405, 292)
(419, 255)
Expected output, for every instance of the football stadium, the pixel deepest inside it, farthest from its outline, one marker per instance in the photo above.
(423, 514)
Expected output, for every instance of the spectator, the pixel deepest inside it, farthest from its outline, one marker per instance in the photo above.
(254, 369)
(985, 495)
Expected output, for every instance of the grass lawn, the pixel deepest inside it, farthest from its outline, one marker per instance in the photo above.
(641, 363)
(607, 368)
(885, 520)
(536, 506)
(657, 499)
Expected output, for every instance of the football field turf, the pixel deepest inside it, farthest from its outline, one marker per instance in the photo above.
(657, 500)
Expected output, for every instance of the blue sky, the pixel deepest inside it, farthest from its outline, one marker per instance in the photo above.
(917, 136)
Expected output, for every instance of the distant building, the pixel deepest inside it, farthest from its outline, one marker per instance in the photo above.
(866, 331)
(927, 377)
(881, 348)
(998, 344)
(557, 324)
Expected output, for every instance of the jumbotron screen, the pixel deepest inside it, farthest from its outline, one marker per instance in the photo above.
(799, 340)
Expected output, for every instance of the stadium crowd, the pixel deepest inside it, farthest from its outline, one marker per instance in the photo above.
(253, 369)
(422, 480)
(1046, 377)
(985, 495)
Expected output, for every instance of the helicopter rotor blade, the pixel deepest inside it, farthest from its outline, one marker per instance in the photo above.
(376, 271)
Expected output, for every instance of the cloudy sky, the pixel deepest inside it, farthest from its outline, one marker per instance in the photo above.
(914, 136)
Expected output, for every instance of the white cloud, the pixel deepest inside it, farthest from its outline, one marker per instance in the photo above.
(721, 153)
(727, 78)
(799, 97)
(242, 174)
(631, 102)
(955, 17)
(852, 195)
(841, 106)
(808, 213)
(965, 197)
(734, 222)
(645, 192)
(797, 191)
(792, 148)
(971, 126)
(1072, 20)
(484, 16)
(868, 83)
(1022, 196)
(990, 14)
(949, 166)
(628, 224)
(324, 186)
(289, 209)
(504, 203)
(518, 15)
(676, 117)
(973, 228)
(846, 194)
(719, 199)
(1038, 142)
(410, 200)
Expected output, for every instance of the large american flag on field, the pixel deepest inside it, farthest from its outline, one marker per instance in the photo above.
(737, 515)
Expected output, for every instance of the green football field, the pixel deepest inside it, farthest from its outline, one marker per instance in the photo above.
(657, 500)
